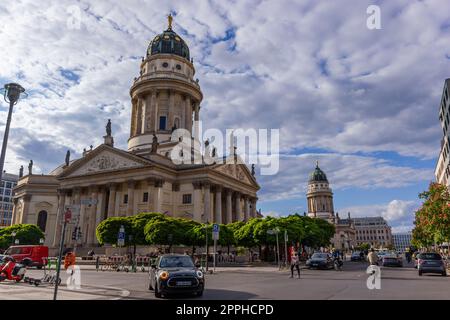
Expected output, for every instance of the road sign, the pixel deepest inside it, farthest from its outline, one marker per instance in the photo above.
(121, 237)
(215, 231)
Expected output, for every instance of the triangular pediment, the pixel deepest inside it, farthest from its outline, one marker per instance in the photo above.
(104, 159)
(239, 172)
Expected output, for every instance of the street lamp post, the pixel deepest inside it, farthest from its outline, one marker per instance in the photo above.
(11, 93)
(13, 234)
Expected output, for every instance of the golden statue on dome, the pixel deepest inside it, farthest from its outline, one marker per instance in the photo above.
(169, 20)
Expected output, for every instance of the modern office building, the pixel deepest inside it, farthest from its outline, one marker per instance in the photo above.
(374, 231)
(8, 182)
(401, 241)
(442, 170)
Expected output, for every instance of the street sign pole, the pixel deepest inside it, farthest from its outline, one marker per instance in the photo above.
(214, 259)
(67, 218)
(285, 249)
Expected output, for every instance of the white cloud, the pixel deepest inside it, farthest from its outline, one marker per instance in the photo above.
(398, 209)
(310, 68)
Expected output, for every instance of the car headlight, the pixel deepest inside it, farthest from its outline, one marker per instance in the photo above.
(164, 275)
(199, 274)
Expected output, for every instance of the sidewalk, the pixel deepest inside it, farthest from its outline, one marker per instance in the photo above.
(24, 291)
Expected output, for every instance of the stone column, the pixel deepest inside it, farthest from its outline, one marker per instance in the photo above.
(139, 116)
(92, 215)
(156, 114)
(253, 209)
(150, 191)
(149, 111)
(13, 217)
(196, 119)
(112, 201)
(157, 195)
(170, 115)
(246, 208)
(25, 210)
(197, 201)
(188, 114)
(143, 114)
(100, 209)
(133, 117)
(207, 204)
(238, 210)
(118, 199)
(59, 217)
(218, 205)
(130, 204)
(229, 217)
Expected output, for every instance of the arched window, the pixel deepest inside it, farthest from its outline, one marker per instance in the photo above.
(42, 220)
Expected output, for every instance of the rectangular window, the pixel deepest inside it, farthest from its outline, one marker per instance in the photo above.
(8, 185)
(145, 197)
(125, 198)
(162, 123)
(187, 198)
(7, 192)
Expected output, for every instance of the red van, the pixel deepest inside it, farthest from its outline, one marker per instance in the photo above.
(38, 254)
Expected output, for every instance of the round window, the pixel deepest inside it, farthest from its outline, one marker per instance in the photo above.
(178, 67)
(165, 64)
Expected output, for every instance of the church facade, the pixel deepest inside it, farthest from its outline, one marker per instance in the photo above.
(110, 182)
(320, 205)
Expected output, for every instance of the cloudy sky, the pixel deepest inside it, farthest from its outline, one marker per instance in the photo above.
(362, 102)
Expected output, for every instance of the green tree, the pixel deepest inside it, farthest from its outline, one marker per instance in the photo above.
(108, 230)
(25, 233)
(168, 231)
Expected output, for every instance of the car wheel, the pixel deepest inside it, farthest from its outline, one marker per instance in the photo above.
(157, 293)
(199, 293)
(420, 273)
(444, 274)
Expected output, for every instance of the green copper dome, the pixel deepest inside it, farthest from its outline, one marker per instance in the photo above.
(169, 42)
(318, 175)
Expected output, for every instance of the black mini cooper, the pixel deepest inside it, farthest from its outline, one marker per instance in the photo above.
(175, 273)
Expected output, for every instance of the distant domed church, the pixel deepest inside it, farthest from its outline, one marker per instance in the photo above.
(110, 182)
(320, 205)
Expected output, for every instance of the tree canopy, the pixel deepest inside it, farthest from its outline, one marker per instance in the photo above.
(25, 233)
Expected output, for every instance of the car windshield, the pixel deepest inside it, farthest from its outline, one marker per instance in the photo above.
(319, 256)
(430, 256)
(176, 262)
(13, 251)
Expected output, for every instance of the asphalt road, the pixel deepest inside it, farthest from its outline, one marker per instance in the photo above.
(253, 283)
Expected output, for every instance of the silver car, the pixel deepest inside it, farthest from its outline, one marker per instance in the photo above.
(431, 262)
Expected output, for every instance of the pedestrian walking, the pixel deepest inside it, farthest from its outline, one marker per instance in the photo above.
(372, 257)
(295, 263)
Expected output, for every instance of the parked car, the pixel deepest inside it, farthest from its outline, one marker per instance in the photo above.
(320, 260)
(356, 256)
(38, 254)
(392, 260)
(175, 273)
(431, 262)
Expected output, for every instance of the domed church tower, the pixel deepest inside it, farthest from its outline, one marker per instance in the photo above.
(165, 96)
(320, 196)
